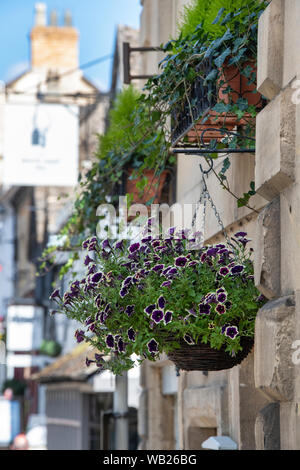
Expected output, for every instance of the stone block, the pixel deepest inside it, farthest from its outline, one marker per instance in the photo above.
(290, 426)
(291, 41)
(270, 50)
(267, 251)
(267, 428)
(275, 145)
(274, 336)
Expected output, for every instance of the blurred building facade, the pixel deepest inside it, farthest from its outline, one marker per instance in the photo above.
(33, 211)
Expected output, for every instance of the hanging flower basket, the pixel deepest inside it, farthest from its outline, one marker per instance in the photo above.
(202, 357)
(166, 294)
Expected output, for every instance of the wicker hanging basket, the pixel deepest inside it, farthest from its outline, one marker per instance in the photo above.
(202, 357)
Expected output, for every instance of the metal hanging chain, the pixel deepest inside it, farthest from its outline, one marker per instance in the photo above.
(204, 197)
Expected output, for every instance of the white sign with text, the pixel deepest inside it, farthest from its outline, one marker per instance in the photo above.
(41, 144)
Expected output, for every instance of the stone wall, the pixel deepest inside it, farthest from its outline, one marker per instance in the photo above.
(277, 262)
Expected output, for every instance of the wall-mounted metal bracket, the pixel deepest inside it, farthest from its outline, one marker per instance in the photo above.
(127, 49)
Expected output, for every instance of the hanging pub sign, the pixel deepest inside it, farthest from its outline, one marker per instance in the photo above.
(40, 144)
(24, 325)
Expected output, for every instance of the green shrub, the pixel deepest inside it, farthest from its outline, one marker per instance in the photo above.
(205, 12)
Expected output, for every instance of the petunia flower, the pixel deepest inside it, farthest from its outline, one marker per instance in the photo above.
(161, 302)
(158, 267)
(222, 297)
(240, 234)
(129, 310)
(150, 309)
(221, 309)
(231, 332)
(152, 346)
(96, 277)
(121, 345)
(134, 247)
(131, 334)
(157, 316)
(237, 269)
(85, 244)
(110, 341)
(79, 335)
(88, 260)
(204, 309)
(224, 271)
(123, 292)
(166, 284)
(181, 261)
(55, 294)
(168, 317)
(188, 339)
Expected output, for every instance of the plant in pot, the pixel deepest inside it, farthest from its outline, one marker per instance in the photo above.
(208, 76)
(196, 304)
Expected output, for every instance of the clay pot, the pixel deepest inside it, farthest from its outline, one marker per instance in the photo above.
(212, 128)
(152, 190)
(239, 85)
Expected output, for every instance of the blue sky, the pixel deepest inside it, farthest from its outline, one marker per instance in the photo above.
(96, 21)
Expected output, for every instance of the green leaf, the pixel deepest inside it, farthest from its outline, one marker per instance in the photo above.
(219, 61)
(219, 15)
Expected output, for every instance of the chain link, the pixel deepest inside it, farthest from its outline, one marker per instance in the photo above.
(204, 197)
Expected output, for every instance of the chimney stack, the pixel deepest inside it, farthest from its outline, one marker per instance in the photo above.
(40, 14)
(53, 47)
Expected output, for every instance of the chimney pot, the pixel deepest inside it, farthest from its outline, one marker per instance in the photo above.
(53, 18)
(40, 14)
(68, 18)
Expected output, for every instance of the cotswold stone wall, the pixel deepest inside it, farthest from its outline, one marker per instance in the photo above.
(277, 272)
(256, 403)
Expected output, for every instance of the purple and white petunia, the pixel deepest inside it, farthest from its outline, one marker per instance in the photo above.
(188, 339)
(134, 247)
(149, 309)
(204, 309)
(231, 332)
(168, 317)
(152, 346)
(131, 334)
(157, 315)
(161, 302)
(181, 261)
(55, 294)
(166, 284)
(220, 309)
(224, 271)
(158, 268)
(237, 269)
(110, 341)
(129, 310)
(79, 335)
(222, 297)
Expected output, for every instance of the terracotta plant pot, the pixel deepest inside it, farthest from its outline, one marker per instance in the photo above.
(240, 86)
(240, 89)
(151, 190)
(212, 128)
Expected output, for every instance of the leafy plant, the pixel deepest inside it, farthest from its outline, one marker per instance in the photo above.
(134, 298)
(205, 12)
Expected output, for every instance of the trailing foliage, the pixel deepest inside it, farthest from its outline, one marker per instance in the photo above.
(134, 298)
